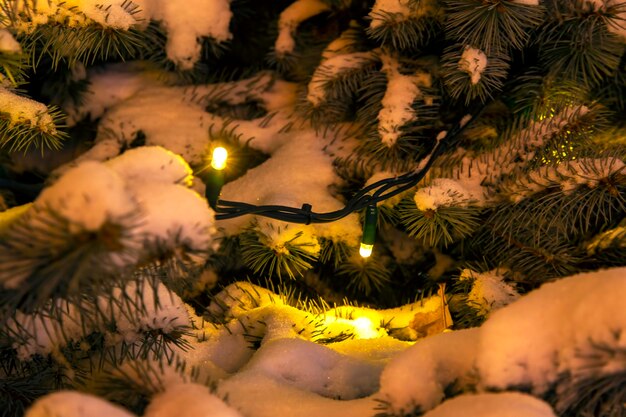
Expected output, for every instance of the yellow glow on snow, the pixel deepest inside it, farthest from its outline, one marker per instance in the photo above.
(365, 250)
(218, 162)
(365, 328)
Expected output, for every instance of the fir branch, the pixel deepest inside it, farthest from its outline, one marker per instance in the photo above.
(22, 136)
(494, 26)
(334, 252)
(293, 260)
(131, 384)
(597, 387)
(50, 258)
(536, 257)
(18, 392)
(86, 45)
(404, 33)
(581, 50)
(441, 226)
(415, 137)
(365, 276)
(339, 89)
(12, 68)
(459, 83)
(536, 95)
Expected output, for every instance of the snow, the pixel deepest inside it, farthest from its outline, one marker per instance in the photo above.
(296, 13)
(143, 307)
(527, 343)
(89, 195)
(505, 404)
(326, 372)
(187, 24)
(418, 377)
(8, 42)
(141, 193)
(45, 332)
(548, 332)
(258, 395)
(109, 86)
(22, 110)
(446, 192)
(402, 90)
(489, 290)
(173, 216)
(473, 61)
(188, 400)
(158, 165)
(74, 404)
(382, 8)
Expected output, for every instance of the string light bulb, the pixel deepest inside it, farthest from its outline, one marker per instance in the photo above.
(369, 231)
(215, 178)
(220, 155)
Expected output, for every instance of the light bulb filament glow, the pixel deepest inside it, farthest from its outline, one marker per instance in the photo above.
(365, 250)
(218, 162)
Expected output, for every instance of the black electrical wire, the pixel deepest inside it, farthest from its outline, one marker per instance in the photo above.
(382, 190)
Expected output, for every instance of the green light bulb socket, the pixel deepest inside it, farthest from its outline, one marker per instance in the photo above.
(369, 225)
(214, 183)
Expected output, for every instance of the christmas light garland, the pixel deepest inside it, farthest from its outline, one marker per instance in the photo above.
(382, 190)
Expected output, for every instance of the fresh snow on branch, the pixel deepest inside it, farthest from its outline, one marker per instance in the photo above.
(473, 61)
(402, 90)
(108, 13)
(296, 13)
(22, 110)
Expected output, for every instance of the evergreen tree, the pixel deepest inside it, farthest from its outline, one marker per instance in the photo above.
(478, 145)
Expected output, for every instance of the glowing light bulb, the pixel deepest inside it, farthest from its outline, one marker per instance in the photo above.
(218, 162)
(366, 250)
